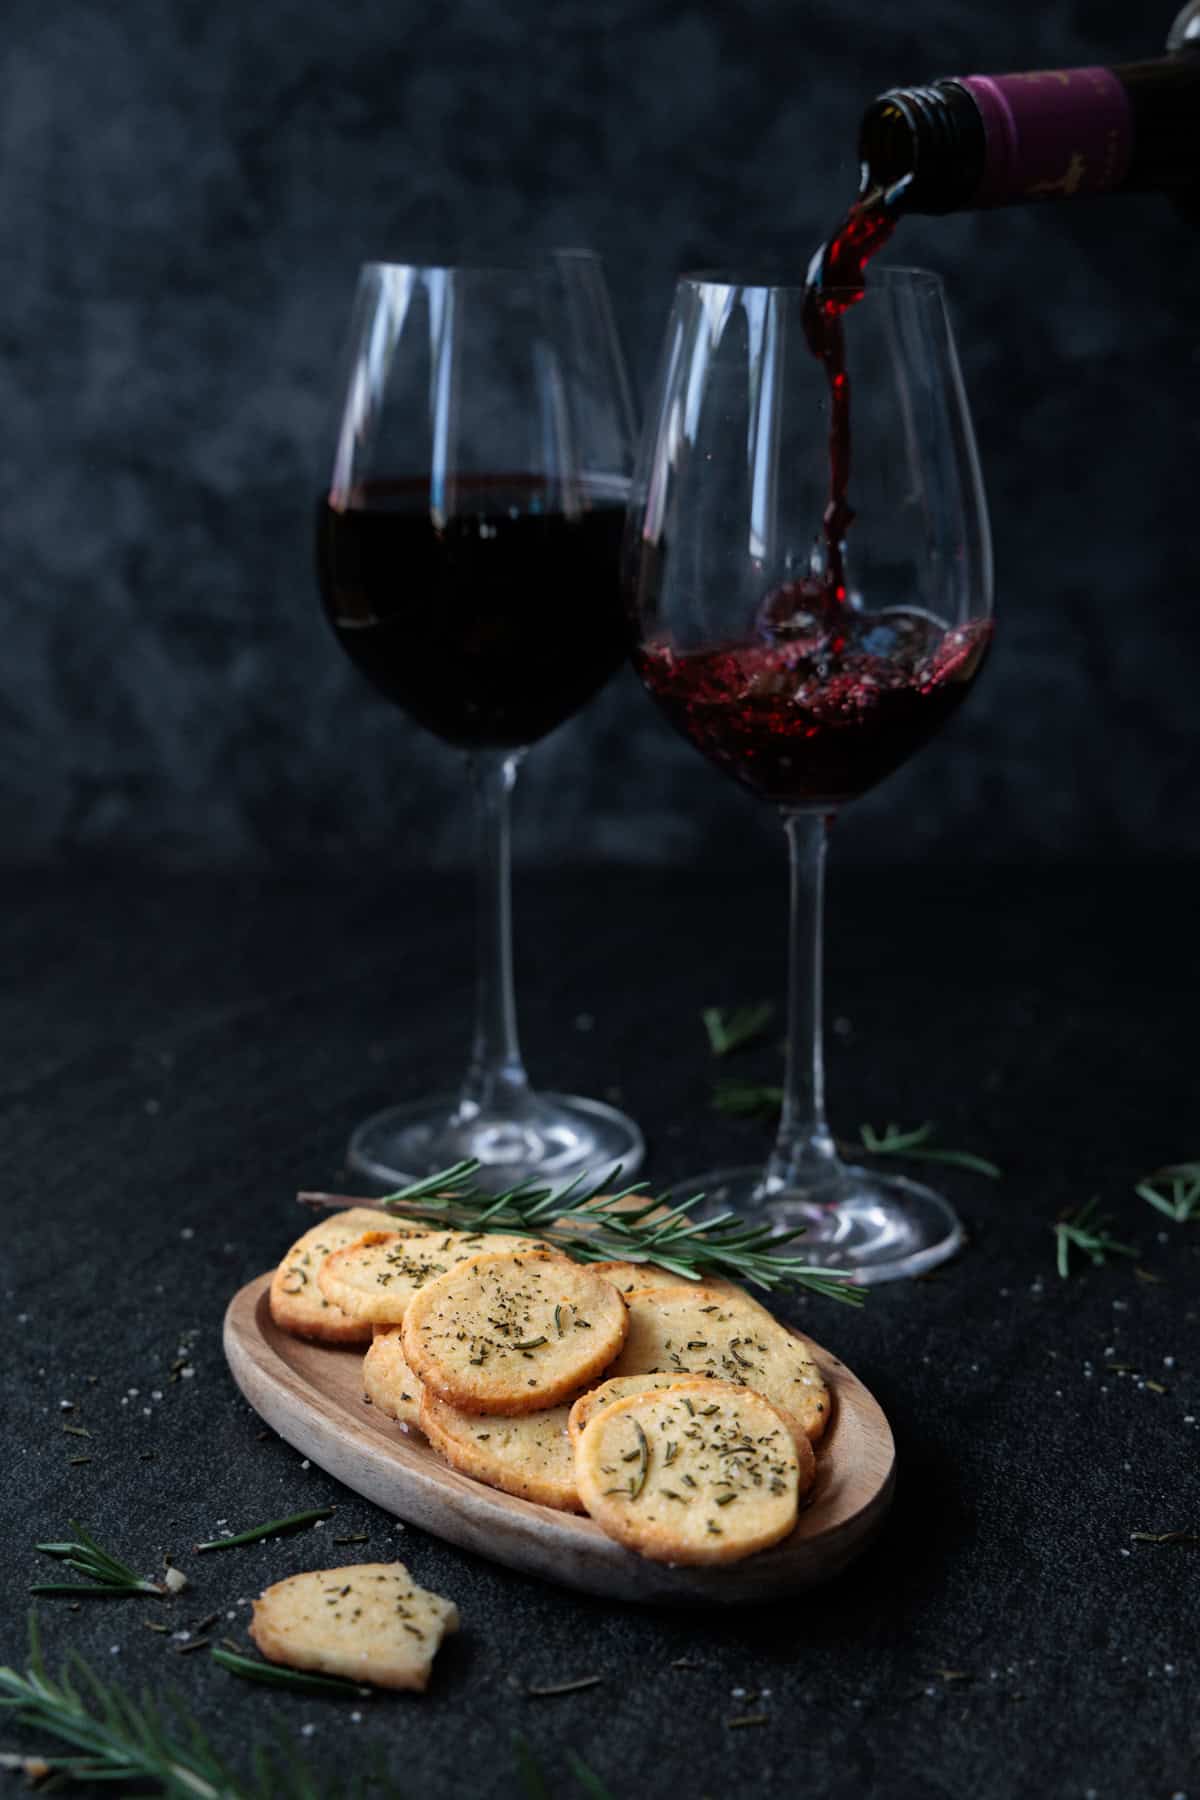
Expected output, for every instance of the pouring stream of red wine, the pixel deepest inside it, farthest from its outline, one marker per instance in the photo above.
(836, 281)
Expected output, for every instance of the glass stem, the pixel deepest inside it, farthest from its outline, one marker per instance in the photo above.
(496, 1082)
(804, 1155)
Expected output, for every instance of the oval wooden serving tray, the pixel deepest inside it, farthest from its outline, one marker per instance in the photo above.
(312, 1395)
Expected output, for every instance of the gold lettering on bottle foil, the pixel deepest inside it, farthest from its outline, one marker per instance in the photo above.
(1069, 182)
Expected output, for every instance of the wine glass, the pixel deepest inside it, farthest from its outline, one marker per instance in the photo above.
(809, 647)
(468, 550)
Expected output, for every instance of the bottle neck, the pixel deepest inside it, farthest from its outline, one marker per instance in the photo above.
(991, 140)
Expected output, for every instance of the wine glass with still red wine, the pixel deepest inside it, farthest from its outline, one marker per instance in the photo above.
(468, 549)
(809, 618)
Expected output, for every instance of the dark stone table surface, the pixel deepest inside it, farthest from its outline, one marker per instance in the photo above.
(177, 1056)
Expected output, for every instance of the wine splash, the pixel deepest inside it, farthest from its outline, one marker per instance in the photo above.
(816, 719)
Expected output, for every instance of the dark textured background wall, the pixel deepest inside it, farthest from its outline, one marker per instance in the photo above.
(186, 188)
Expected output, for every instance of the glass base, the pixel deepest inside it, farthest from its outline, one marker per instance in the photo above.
(876, 1227)
(560, 1137)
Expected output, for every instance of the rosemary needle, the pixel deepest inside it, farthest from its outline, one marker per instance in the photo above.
(291, 1523)
(275, 1675)
(564, 1687)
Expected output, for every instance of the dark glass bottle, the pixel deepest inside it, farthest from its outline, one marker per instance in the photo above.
(984, 140)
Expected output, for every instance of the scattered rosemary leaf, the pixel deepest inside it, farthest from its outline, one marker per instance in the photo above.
(1165, 1537)
(747, 1099)
(156, 1625)
(894, 1141)
(198, 1644)
(733, 1028)
(77, 1430)
(354, 1537)
(108, 1573)
(564, 1687)
(748, 1719)
(1156, 1387)
(1145, 1275)
(250, 1668)
(1085, 1229)
(1173, 1191)
(293, 1522)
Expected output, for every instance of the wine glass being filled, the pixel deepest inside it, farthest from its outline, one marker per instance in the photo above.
(811, 605)
(468, 550)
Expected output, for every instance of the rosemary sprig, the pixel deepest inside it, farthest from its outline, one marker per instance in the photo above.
(109, 1575)
(291, 1523)
(1175, 1191)
(1085, 1229)
(251, 1668)
(586, 1224)
(733, 1028)
(115, 1738)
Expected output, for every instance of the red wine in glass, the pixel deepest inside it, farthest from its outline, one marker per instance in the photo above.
(468, 556)
(803, 723)
(489, 627)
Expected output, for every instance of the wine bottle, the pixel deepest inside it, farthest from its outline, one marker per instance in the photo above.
(992, 140)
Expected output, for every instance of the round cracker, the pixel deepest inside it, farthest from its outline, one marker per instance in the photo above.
(296, 1300)
(388, 1382)
(617, 1387)
(374, 1278)
(703, 1472)
(513, 1333)
(727, 1337)
(530, 1455)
